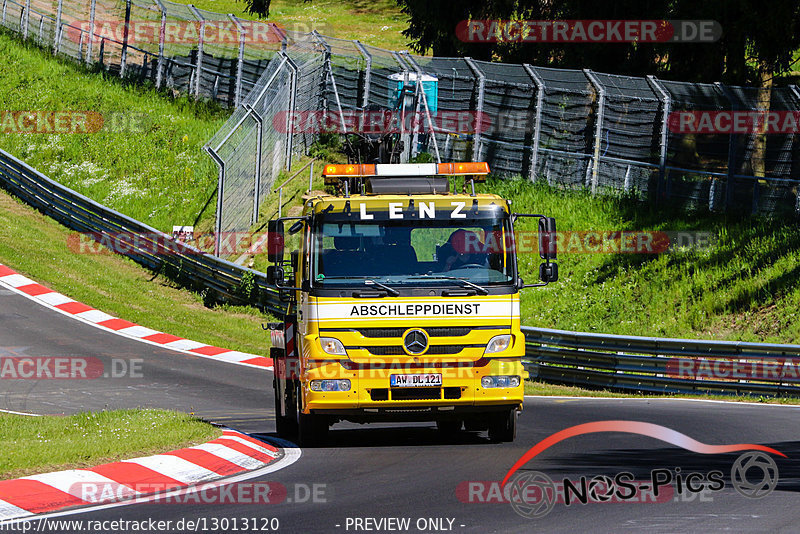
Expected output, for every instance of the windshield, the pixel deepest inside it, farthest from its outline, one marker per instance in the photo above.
(441, 252)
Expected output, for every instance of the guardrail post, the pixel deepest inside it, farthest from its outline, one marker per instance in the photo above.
(477, 139)
(367, 72)
(237, 93)
(666, 103)
(90, 44)
(537, 121)
(220, 186)
(57, 29)
(598, 134)
(162, 37)
(257, 182)
(200, 39)
(124, 57)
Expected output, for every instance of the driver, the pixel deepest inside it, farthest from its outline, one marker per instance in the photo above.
(463, 247)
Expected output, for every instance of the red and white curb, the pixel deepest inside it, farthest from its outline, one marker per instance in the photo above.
(232, 454)
(67, 306)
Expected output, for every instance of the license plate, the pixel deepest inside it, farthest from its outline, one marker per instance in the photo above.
(416, 381)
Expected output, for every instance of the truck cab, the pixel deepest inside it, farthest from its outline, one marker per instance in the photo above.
(402, 303)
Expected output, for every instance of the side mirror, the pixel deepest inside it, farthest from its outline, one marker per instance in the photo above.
(548, 245)
(548, 272)
(275, 241)
(275, 275)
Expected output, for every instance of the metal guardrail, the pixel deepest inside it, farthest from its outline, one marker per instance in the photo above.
(627, 363)
(227, 281)
(655, 365)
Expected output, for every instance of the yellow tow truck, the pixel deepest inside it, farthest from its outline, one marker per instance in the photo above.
(402, 303)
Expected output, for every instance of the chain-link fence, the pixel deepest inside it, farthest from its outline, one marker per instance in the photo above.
(572, 129)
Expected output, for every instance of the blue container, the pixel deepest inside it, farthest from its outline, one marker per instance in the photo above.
(430, 85)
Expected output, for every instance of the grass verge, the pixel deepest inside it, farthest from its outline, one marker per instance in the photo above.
(51, 443)
(536, 388)
(36, 246)
(146, 161)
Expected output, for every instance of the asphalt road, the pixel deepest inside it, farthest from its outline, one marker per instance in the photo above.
(369, 474)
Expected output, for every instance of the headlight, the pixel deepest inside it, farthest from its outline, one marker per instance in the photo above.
(331, 345)
(502, 381)
(498, 344)
(330, 385)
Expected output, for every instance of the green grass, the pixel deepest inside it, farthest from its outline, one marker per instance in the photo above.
(374, 22)
(155, 172)
(745, 287)
(50, 443)
(543, 389)
(37, 247)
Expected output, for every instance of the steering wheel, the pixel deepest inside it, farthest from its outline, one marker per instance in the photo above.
(468, 266)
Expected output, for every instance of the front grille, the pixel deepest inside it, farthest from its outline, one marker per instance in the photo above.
(379, 394)
(452, 393)
(396, 350)
(384, 394)
(436, 331)
(417, 394)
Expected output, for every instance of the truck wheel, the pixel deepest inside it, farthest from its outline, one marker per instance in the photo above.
(311, 429)
(504, 426)
(283, 422)
(449, 426)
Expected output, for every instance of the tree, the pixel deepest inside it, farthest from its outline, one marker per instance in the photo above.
(259, 8)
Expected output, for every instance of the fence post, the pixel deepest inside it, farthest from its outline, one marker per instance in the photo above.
(732, 139)
(666, 103)
(257, 182)
(477, 139)
(57, 29)
(126, 29)
(367, 72)
(90, 44)
(424, 99)
(200, 39)
(220, 185)
(26, 17)
(237, 94)
(162, 37)
(329, 72)
(294, 73)
(537, 121)
(796, 92)
(5, 2)
(311, 176)
(598, 134)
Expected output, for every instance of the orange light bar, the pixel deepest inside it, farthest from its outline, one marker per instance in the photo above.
(466, 167)
(349, 170)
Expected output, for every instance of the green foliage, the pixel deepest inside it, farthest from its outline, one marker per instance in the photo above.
(50, 443)
(422, 157)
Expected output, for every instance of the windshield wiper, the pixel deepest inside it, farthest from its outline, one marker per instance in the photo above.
(392, 291)
(476, 287)
(367, 282)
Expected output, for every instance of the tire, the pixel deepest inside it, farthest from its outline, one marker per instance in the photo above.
(284, 423)
(503, 428)
(449, 427)
(312, 429)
